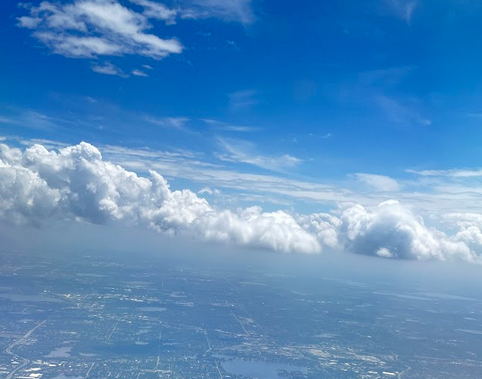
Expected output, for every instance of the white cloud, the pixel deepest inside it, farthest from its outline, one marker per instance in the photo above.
(79, 47)
(233, 44)
(227, 10)
(431, 195)
(193, 167)
(454, 173)
(32, 119)
(47, 143)
(139, 73)
(464, 220)
(109, 69)
(158, 11)
(209, 191)
(91, 28)
(5, 120)
(399, 112)
(224, 126)
(119, 151)
(242, 100)
(169, 122)
(394, 229)
(384, 253)
(379, 182)
(76, 183)
(29, 22)
(244, 152)
(324, 226)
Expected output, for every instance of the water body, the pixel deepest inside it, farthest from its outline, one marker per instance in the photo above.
(259, 369)
(61, 352)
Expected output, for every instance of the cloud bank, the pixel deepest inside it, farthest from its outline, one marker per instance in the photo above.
(76, 183)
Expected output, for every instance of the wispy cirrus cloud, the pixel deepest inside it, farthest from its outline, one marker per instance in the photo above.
(453, 173)
(228, 10)
(242, 100)
(137, 72)
(168, 122)
(433, 195)
(379, 182)
(378, 89)
(109, 69)
(240, 151)
(6, 120)
(32, 119)
(399, 112)
(224, 126)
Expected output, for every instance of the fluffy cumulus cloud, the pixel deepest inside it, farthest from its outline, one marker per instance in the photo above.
(76, 183)
(393, 231)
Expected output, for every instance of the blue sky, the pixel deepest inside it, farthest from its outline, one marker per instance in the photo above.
(391, 90)
(304, 106)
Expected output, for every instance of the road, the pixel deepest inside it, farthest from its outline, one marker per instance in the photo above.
(24, 361)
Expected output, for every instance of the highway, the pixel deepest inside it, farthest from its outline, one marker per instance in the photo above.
(24, 361)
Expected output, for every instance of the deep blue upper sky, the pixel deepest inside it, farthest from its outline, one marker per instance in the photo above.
(314, 90)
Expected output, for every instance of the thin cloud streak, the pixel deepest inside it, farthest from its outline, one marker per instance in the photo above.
(224, 126)
(242, 100)
(109, 69)
(379, 182)
(168, 122)
(454, 173)
(240, 151)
